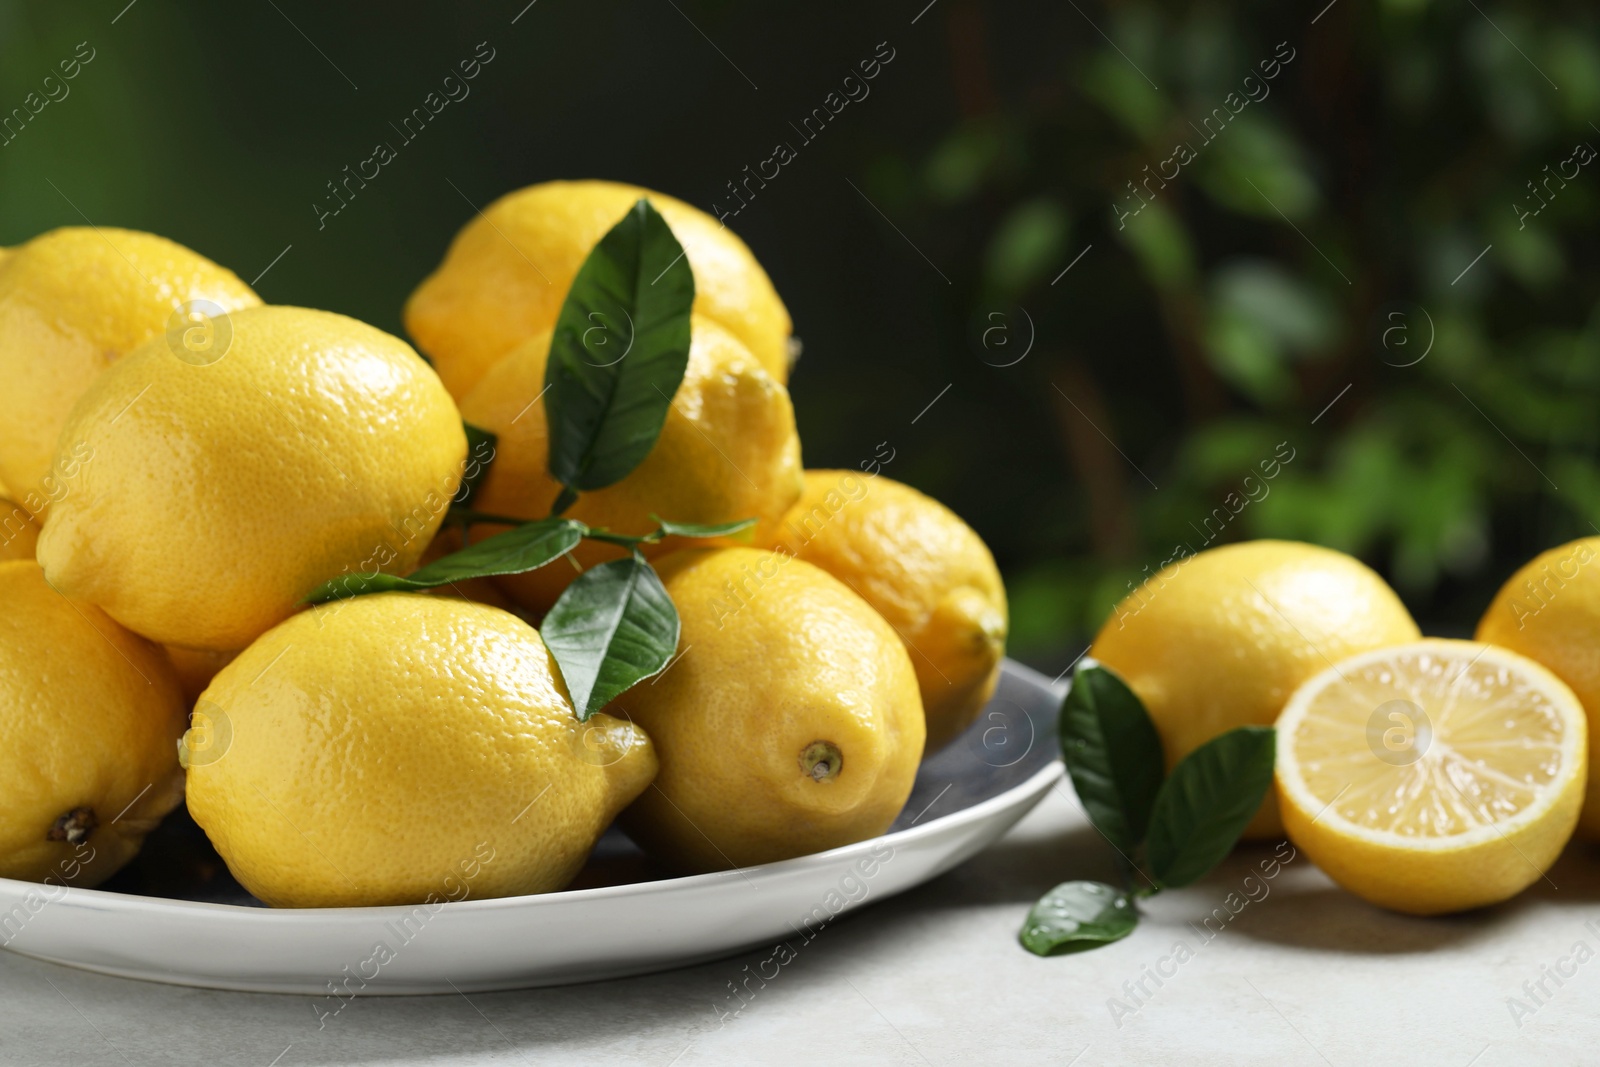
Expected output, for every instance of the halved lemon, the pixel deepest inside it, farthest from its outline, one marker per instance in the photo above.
(1432, 777)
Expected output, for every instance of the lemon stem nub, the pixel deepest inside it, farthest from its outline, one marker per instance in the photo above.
(821, 760)
(75, 826)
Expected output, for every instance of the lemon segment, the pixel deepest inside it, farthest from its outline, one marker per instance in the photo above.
(1435, 776)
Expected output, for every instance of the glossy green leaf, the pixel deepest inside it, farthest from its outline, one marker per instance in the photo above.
(614, 626)
(1113, 754)
(618, 354)
(1207, 801)
(523, 548)
(481, 448)
(1075, 916)
(696, 529)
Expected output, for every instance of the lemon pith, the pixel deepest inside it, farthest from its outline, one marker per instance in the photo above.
(1549, 611)
(1434, 776)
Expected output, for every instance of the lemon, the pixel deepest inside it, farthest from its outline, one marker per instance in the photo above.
(924, 570)
(727, 451)
(212, 497)
(788, 724)
(507, 273)
(72, 301)
(195, 667)
(1550, 612)
(1222, 638)
(1432, 777)
(18, 532)
(89, 717)
(403, 749)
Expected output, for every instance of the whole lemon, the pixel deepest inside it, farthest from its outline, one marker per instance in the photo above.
(1222, 638)
(727, 451)
(507, 273)
(924, 570)
(402, 749)
(91, 714)
(18, 532)
(72, 302)
(789, 724)
(1550, 612)
(210, 499)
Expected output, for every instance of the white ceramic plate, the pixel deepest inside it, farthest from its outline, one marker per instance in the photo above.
(176, 916)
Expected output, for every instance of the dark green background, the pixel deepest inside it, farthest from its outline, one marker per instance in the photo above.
(1178, 352)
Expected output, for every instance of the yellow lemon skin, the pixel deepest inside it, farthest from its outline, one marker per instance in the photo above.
(1509, 702)
(72, 302)
(1550, 612)
(18, 532)
(1222, 638)
(88, 756)
(790, 723)
(924, 570)
(208, 500)
(727, 451)
(507, 273)
(404, 749)
(195, 667)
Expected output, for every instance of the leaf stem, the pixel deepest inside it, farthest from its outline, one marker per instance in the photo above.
(568, 496)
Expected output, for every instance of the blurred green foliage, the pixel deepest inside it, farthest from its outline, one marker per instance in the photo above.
(1250, 302)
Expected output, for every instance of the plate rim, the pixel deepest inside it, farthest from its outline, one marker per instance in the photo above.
(135, 903)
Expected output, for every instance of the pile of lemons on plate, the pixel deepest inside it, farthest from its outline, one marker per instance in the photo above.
(182, 466)
(1424, 775)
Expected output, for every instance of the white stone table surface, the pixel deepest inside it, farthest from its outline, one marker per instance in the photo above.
(1302, 974)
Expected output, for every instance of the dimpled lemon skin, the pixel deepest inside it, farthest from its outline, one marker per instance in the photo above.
(1222, 639)
(402, 748)
(727, 451)
(211, 499)
(1550, 612)
(791, 724)
(507, 273)
(89, 719)
(72, 302)
(925, 571)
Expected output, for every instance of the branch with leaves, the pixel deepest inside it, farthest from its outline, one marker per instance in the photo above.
(1168, 830)
(615, 625)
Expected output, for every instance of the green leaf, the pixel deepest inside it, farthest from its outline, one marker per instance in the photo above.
(1207, 801)
(613, 627)
(481, 448)
(619, 351)
(524, 548)
(696, 529)
(1113, 753)
(1075, 916)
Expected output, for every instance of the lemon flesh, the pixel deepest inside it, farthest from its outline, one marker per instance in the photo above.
(1434, 776)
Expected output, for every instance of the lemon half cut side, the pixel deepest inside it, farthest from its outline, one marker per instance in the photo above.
(1434, 776)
